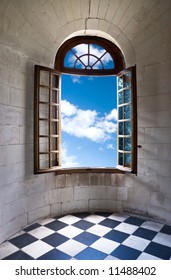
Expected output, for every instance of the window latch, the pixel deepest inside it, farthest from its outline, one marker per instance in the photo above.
(139, 146)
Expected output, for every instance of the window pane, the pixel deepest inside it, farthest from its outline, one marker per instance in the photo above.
(54, 159)
(54, 81)
(44, 94)
(43, 127)
(44, 78)
(69, 59)
(43, 111)
(127, 160)
(55, 96)
(127, 96)
(120, 159)
(127, 144)
(121, 130)
(127, 80)
(44, 161)
(43, 145)
(108, 61)
(120, 83)
(127, 128)
(127, 112)
(120, 113)
(120, 143)
(120, 97)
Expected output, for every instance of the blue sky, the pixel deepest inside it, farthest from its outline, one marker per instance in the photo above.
(88, 106)
(89, 120)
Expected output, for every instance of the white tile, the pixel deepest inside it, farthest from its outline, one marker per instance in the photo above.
(110, 258)
(46, 221)
(70, 231)
(94, 219)
(37, 249)
(99, 230)
(126, 228)
(41, 232)
(162, 238)
(136, 242)
(69, 219)
(118, 217)
(152, 225)
(145, 256)
(7, 249)
(105, 245)
(71, 247)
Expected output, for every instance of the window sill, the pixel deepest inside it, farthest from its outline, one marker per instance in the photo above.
(88, 170)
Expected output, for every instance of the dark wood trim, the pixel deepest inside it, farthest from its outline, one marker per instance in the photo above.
(110, 47)
(88, 170)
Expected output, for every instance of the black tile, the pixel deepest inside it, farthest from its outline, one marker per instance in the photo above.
(19, 255)
(158, 250)
(116, 235)
(23, 240)
(81, 215)
(145, 233)
(125, 253)
(109, 223)
(55, 239)
(83, 224)
(56, 225)
(31, 227)
(134, 221)
(90, 254)
(86, 238)
(166, 229)
(55, 255)
(104, 214)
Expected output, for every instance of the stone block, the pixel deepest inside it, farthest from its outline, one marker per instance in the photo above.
(61, 181)
(72, 180)
(158, 135)
(4, 94)
(74, 207)
(37, 200)
(9, 134)
(84, 179)
(56, 209)
(117, 179)
(96, 179)
(81, 193)
(105, 205)
(3, 153)
(164, 152)
(38, 214)
(149, 151)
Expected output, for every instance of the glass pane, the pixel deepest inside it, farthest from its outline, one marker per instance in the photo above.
(43, 145)
(53, 143)
(55, 96)
(54, 159)
(120, 113)
(127, 144)
(98, 65)
(120, 159)
(43, 94)
(127, 79)
(54, 81)
(44, 78)
(96, 50)
(127, 96)
(120, 143)
(43, 127)
(79, 64)
(127, 128)
(121, 130)
(127, 112)
(69, 59)
(120, 96)
(44, 161)
(107, 61)
(43, 111)
(120, 83)
(55, 112)
(127, 160)
(54, 128)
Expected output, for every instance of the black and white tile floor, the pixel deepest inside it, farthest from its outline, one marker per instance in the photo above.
(84, 236)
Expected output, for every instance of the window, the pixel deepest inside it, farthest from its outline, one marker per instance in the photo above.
(83, 56)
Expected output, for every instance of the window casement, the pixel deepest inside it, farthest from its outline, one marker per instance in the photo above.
(83, 56)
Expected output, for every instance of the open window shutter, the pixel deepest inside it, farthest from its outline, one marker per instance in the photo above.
(127, 120)
(47, 128)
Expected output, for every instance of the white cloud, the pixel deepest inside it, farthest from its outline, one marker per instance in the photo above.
(110, 147)
(82, 49)
(76, 79)
(68, 160)
(86, 123)
(113, 115)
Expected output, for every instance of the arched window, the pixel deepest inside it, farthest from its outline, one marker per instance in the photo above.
(84, 55)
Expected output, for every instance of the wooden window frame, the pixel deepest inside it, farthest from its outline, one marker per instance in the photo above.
(59, 69)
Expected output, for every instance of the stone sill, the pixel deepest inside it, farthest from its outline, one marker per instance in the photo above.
(88, 170)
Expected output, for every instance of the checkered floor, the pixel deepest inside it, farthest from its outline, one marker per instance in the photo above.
(85, 236)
